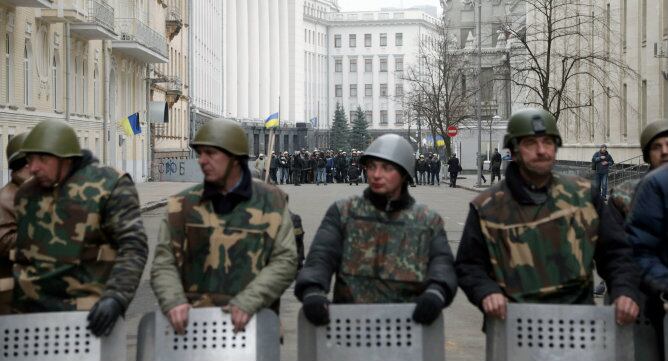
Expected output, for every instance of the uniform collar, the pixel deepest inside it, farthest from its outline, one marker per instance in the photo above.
(382, 203)
(243, 189)
(519, 187)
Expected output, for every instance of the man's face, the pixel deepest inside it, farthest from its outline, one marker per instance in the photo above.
(384, 177)
(45, 168)
(658, 151)
(604, 149)
(537, 154)
(213, 162)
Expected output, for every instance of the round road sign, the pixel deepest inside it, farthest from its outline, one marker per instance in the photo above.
(452, 131)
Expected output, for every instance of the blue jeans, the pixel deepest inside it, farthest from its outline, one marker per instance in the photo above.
(321, 176)
(602, 183)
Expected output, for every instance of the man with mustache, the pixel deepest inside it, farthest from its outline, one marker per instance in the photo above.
(227, 242)
(382, 246)
(533, 237)
(80, 240)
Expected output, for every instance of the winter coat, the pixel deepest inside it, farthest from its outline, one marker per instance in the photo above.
(602, 165)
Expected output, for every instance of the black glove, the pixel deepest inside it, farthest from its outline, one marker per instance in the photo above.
(316, 309)
(429, 307)
(103, 316)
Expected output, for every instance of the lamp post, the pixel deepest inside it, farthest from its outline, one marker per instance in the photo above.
(479, 96)
(495, 118)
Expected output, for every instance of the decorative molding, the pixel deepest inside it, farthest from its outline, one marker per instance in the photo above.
(28, 29)
(56, 39)
(10, 22)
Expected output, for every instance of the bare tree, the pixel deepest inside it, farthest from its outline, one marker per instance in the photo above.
(438, 92)
(566, 55)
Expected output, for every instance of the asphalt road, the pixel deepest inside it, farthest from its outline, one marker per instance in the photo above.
(465, 341)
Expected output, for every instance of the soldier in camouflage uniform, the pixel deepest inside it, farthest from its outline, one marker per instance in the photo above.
(20, 173)
(80, 242)
(227, 242)
(533, 237)
(382, 246)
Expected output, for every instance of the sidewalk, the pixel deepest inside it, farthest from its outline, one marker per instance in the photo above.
(468, 182)
(154, 195)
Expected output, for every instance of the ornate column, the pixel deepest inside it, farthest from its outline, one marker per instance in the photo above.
(255, 58)
(243, 59)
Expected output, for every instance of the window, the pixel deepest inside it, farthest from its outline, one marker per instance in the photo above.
(383, 117)
(353, 90)
(383, 90)
(643, 105)
(399, 64)
(399, 39)
(8, 66)
(367, 40)
(368, 90)
(27, 63)
(399, 117)
(96, 93)
(624, 118)
(84, 87)
(337, 40)
(399, 90)
(352, 40)
(624, 12)
(643, 21)
(338, 91)
(54, 83)
(368, 65)
(383, 65)
(353, 65)
(383, 39)
(76, 85)
(368, 116)
(338, 65)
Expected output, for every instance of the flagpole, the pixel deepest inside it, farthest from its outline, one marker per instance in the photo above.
(272, 140)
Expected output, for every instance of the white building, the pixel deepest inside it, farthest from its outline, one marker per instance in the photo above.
(206, 54)
(368, 54)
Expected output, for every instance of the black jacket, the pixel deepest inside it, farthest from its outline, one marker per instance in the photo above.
(613, 254)
(453, 165)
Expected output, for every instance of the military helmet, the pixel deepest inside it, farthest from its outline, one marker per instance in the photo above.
(393, 148)
(651, 132)
(53, 137)
(14, 148)
(224, 134)
(528, 122)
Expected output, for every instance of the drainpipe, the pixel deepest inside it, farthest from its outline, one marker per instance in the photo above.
(107, 109)
(68, 48)
(149, 155)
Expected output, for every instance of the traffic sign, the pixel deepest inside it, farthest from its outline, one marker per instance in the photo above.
(452, 131)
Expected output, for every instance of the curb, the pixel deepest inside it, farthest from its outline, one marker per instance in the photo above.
(152, 205)
(472, 189)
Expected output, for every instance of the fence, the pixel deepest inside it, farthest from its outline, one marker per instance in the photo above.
(371, 332)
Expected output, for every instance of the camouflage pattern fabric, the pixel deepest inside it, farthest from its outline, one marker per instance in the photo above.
(622, 195)
(78, 242)
(542, 253)
(299, 239)
(7, 242)
(219, 255)
(384, 260)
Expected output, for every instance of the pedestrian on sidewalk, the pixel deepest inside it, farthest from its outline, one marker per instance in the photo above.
(422, 170)
(602, 161)
(454, 168)
(435, 170)
(321, 169)
(481, 167)
(283, 168)
(255, 259)
(517, 228)
(495, 165)
(19, 174)
(80, 240)
(297, 166)
(273, 168)
(375, 246)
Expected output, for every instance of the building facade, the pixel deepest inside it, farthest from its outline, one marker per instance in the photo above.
(90, 79)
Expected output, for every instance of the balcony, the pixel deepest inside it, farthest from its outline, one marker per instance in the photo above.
(172, 86)
(28, 3)
(140, 41)
(89, 19)
(174, 21)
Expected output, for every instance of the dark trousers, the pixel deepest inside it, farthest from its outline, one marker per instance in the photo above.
(272, 175)
(496, 173)
(453, 179)
(296, 176)
(434, 178)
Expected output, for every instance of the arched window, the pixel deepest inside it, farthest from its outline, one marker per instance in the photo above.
(96, 93)
(54, 82)
(27, 64)
(84, 86)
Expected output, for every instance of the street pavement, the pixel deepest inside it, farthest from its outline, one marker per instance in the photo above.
(465, 341)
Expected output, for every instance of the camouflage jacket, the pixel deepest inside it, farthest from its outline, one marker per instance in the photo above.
(77, 242)
(622, 195)
(543, 252)
(245, 257)
(379, 256)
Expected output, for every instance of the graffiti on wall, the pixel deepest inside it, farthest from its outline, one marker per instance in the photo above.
(177, 170)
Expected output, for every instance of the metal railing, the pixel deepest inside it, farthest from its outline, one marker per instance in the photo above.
(173, 83)
(174, 14)
(135, 30)
(101, 13)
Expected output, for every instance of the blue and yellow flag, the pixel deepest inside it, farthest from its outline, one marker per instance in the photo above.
(271, 121)
(130, 125)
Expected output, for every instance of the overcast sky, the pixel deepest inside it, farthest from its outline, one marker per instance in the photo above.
(371, 5)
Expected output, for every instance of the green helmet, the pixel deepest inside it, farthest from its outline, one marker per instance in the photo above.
(224, 134)
(14, 148)
(529, 122)
(651, 132)
(53, 137)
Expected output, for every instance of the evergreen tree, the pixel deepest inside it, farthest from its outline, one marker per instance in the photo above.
(339, 132)
(359, 135)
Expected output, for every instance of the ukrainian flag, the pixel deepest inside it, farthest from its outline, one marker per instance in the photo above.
(271, 121)
(131, 125)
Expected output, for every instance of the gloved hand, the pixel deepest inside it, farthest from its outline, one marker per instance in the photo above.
(103, 316)
(429, 307)
(316, 308)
